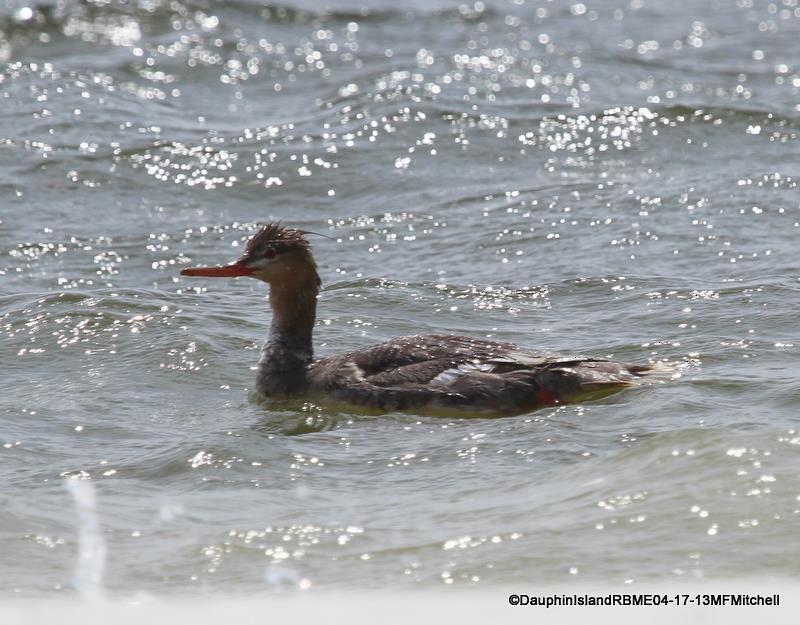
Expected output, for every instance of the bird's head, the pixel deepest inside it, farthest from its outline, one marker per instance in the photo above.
(279, 256)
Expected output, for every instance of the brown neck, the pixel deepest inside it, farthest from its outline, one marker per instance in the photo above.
(294, 310)
(289, 350)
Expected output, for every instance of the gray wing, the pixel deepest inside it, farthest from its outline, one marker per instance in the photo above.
(464, 374)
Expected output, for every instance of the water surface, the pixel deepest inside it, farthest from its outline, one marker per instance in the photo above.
(605, 178)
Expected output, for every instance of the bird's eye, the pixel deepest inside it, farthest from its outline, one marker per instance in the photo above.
(270, 253)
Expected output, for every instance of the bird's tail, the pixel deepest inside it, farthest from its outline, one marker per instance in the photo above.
(658, 371)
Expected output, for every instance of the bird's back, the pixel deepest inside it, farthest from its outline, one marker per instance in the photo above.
(462, 374)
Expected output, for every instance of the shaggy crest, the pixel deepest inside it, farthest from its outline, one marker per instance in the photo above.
(281, 239)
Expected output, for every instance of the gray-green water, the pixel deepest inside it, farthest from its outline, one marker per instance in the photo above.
(609, 178)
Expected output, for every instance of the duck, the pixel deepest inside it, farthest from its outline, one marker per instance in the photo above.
(430, 373)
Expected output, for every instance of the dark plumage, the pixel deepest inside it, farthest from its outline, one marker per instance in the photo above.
(456, 373)
(439, 373)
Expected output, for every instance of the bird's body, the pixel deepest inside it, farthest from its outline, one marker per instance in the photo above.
(460, 374)
(430, 373)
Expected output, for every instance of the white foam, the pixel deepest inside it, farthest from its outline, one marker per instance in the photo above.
(89, 570)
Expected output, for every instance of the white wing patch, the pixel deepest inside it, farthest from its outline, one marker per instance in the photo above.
(448, 376)
(357, 372)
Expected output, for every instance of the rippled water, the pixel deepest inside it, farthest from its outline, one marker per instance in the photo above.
(609, 178)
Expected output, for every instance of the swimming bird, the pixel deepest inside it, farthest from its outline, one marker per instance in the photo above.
(438, 373)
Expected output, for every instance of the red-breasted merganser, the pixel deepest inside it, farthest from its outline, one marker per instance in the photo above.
(430, 373)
